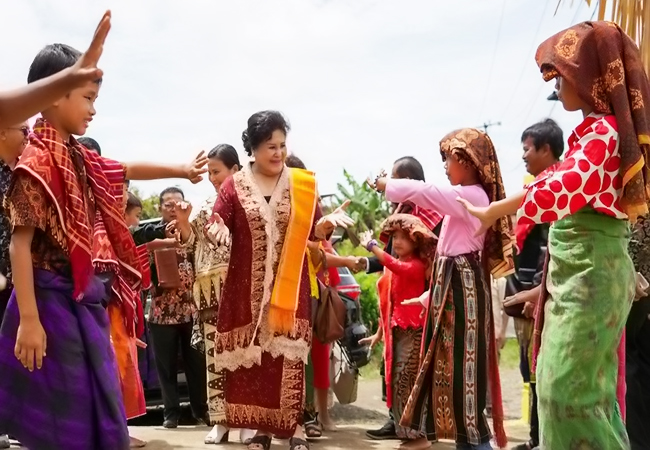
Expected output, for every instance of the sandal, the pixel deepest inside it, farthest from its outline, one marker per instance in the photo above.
(260, 443)
(298, 444)
(313, 429)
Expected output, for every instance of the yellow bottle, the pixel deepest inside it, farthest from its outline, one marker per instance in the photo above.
(525, 403)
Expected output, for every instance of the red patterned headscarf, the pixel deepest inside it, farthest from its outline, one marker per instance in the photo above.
(47, 158)
(604, 65)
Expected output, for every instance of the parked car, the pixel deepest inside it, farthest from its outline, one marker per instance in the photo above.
(348, 288)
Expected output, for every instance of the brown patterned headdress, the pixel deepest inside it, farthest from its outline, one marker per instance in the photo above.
(475, 149)
(416, 229)
(604, 65)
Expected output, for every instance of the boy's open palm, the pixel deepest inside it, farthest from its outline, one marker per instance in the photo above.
(86, 67)
(197, 168)
(31, 344)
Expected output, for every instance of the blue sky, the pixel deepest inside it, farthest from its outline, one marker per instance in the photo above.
(362, 83)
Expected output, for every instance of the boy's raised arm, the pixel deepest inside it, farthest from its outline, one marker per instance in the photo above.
(154, 171)
(20, 104)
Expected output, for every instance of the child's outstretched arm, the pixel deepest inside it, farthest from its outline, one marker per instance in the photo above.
(393, 264)
(435, 197)
(154, 171)
(490, 214)
(31, 341)
(20, 104)
(422, 299)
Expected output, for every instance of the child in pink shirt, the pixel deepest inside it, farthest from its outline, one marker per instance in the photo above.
(459, 351)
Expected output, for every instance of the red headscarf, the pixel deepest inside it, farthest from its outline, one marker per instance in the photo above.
(47, 159)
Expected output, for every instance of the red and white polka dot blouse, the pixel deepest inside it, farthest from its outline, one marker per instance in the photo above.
(588, 175)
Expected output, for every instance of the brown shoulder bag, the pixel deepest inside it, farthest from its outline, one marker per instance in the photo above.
(167, 268)
(329, 324)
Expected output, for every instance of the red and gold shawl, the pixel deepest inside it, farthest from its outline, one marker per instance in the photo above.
(604, 65)
(286, 290)
(48, 160)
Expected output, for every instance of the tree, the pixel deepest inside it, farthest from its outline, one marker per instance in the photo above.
(368, 208)
(150, 204)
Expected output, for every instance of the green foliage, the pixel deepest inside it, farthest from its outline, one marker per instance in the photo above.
(368, 208)
(369, 299)
(150, 207)
(510, 355)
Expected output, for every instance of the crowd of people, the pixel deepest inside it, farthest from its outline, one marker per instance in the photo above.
(233, 283)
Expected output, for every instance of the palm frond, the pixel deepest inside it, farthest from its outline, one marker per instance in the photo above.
(633, 16)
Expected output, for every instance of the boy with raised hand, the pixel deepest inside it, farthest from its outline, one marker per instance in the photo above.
(20, 104)
(56, 321)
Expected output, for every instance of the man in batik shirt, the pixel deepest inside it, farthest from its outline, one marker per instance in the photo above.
(171, 320)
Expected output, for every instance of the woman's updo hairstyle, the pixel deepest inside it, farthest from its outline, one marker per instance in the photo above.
(261, 126)
(227, 154)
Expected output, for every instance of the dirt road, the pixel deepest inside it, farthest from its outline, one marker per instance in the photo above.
(369, 412)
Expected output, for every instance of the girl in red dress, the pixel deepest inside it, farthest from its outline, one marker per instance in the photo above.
(405, 277)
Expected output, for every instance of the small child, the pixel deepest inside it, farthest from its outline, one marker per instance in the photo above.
(133, 210)
(402, 324)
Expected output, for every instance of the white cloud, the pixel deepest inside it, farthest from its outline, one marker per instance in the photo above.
(362, 82)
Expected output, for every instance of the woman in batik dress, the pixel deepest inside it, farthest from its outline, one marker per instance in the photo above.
(210, 269)
(268, 212)
(459, 350)
(590, 198)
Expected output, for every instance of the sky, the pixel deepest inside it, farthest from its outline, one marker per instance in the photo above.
(362, 83)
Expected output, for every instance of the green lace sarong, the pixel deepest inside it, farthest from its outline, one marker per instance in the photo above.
(590, 282)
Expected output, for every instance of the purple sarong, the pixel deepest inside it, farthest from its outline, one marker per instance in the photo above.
(74, 401)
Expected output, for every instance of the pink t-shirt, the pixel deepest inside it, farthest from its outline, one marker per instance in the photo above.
(458, 226)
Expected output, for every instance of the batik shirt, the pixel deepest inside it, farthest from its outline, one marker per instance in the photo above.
(5, 225)
(169, 306)
(29, 206)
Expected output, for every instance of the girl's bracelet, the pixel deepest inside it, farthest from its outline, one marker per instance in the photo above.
(371, 244)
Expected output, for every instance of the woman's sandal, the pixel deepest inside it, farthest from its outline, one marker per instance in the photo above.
(298, 444)
(313, 429)
(260, 443)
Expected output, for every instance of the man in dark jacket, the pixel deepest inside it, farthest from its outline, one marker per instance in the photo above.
(543, 145)
(171, 319)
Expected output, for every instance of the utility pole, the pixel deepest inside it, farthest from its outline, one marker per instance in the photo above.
(487, 125)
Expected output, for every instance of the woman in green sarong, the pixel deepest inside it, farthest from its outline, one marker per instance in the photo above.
(590, 198)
